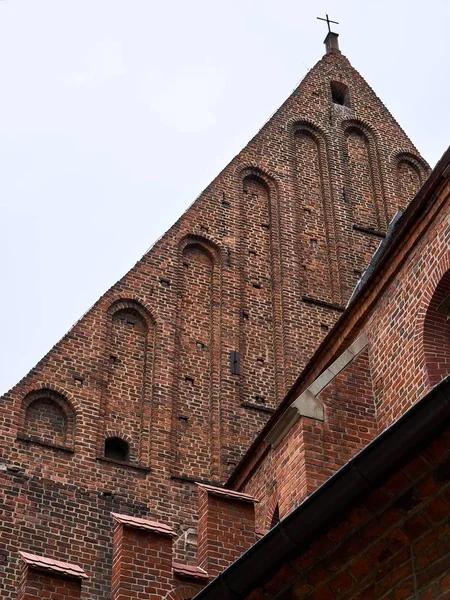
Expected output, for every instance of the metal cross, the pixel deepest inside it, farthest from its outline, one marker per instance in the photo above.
(328, 22)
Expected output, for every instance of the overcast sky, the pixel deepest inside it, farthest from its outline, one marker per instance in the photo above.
(115, 114)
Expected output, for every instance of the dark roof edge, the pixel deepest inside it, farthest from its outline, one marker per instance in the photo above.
(403, 225)
(386, 454)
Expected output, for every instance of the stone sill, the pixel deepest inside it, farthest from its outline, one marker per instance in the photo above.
(29, 440)
(122, 463)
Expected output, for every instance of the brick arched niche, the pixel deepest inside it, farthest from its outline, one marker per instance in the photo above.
(410, 174)
(315, 214)
(362, 177)
(260, 381)
(127, 398)
(196, 418)
(47, 418)
(436, 332)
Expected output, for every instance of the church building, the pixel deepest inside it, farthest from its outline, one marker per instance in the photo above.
(260, 407)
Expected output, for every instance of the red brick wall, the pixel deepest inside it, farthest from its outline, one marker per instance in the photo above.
(180, 430)
(393, 544)
(313, 451)
(407, 354)
(409, 340)
(436, 334)
(226, 530)
(142, 564)
(46, 586)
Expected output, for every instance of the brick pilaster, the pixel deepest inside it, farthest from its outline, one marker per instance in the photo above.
(142, 558)
(226, 527)
(47, 579)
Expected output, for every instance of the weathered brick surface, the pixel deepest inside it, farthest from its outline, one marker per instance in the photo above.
(46, 587)
(226, 529)
(313, 451)
(261, 264)
(395, 544)
(405, 329)
(142, 564)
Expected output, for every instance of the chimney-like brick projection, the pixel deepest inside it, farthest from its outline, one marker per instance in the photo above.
(48, 579)
(142, 559)
(226, 527)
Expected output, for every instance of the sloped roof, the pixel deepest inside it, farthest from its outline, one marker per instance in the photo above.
(359, 303)
(365, 472)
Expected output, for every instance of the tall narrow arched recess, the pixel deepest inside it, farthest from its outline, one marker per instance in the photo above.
(261, 340)
(410, 174)
(436, 332)
(362, 189)
(364, 199)
(196, 415)
(315, 218)
(127, 399)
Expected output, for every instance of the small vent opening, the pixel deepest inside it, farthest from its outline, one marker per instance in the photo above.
(339, 93)
(117, 449)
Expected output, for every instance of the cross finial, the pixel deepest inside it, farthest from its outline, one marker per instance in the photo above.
(328, 21)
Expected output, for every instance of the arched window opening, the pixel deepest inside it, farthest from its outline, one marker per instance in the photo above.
(275, 517)
(436, 335)
(117, 449)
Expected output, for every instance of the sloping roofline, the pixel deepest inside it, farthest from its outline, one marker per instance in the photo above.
(359, 306)
(422, 423)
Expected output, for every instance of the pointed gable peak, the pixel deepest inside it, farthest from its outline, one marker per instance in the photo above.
(334, 94)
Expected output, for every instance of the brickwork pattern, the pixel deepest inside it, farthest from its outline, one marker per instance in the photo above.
(226, 529)
(313, 451)
(405, 321)
(164, 383)
(406, 356)
(393, 545)
(46, 587)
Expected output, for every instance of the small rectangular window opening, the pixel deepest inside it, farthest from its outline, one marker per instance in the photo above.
(339, 93)
(235, 364)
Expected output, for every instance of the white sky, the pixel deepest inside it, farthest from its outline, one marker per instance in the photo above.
(115, 114)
